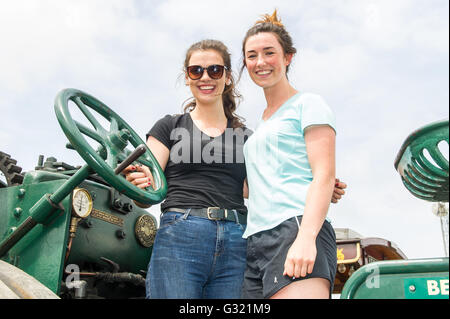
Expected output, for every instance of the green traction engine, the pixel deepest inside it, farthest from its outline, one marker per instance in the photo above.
(76, 232)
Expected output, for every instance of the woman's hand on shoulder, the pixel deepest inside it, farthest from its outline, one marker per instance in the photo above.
(338, 191)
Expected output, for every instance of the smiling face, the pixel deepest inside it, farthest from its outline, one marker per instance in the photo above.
(207, 90)
(265, 60)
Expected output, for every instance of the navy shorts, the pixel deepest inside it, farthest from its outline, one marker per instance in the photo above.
(266, 255)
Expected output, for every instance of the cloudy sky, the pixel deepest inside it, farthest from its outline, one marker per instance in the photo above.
(383, 67)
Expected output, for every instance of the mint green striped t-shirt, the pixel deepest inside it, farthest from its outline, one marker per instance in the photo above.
(278, 171)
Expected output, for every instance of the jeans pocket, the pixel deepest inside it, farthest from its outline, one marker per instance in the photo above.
(169, 219)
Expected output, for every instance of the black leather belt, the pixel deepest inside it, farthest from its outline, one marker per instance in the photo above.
(213, 213)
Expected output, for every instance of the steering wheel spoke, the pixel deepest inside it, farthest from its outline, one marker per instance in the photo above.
(111, 158)
(91, 118)
(114, 126)
(95, 135)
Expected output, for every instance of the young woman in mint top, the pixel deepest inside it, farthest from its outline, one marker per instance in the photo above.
(290, 162)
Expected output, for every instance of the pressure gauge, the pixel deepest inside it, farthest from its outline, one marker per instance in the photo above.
(81, 203)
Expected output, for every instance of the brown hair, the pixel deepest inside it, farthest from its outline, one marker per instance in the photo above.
(230, 94)
(270, 23)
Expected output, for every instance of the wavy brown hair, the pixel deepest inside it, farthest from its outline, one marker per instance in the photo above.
(230, 95)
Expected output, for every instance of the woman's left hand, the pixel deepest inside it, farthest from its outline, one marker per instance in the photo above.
(338, 191)
(300, 258)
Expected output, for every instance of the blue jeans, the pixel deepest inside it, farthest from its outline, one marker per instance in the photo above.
(194, 257)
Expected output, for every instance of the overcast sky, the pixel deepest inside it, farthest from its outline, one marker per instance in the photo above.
(382, 66)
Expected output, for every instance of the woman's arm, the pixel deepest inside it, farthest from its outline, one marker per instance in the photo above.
(159, 150)
(320, 147)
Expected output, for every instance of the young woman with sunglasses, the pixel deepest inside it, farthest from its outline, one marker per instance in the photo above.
(199, 251)
(291, 250)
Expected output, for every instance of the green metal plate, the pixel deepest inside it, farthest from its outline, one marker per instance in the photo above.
(426, 288)
(41, 252)
(392, 280)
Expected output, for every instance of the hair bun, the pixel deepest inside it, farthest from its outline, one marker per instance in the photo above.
(274, 19)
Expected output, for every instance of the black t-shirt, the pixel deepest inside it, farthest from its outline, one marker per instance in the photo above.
(202, 171)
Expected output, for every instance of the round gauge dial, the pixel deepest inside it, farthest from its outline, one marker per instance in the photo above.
(81, 202)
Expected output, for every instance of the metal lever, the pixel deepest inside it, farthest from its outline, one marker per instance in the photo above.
(131, 158)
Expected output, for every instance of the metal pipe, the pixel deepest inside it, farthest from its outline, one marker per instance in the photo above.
(16, 235)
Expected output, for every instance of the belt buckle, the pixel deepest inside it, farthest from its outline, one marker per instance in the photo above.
(208, 213)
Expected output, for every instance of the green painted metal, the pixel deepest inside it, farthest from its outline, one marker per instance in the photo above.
(40, 252)
(101, 238)
(44, 208)
(419, 175)
(113, 141)
(394, 280)
(426, 288)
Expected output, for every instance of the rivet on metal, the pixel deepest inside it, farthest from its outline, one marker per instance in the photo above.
(22, 192)
(17, 212)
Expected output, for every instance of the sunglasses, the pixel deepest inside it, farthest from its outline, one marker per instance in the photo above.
(215, 71)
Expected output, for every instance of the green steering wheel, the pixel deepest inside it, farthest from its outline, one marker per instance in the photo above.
(113, 143)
